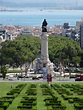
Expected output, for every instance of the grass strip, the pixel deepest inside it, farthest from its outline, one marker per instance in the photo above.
(40, 99)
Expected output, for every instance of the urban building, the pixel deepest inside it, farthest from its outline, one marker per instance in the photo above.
(78, 23)
(81, 35)
(66, 25)
(4, 36)
(26, 31)
(69, 31)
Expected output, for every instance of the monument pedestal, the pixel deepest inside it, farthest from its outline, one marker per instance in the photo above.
(46, 63)
(43, 63)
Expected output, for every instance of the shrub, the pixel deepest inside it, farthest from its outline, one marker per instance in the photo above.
(49, 108)
(34, 108)
(33, 85)
(70, 100)
(79, 106)
(4, 105)
(65, 96)
(1, 108)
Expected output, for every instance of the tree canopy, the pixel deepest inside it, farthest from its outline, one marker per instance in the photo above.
(66, 49)
(20, 50)
(26, 48)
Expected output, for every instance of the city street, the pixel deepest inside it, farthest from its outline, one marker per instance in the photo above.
(62, 79)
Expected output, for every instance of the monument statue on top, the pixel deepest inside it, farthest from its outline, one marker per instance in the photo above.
(44, 26)
(43, 63)
(46, 64)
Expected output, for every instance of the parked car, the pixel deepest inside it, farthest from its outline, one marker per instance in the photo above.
(10, 77)
(72, 76)
(34, 78)
(20, 76)
(79, 77)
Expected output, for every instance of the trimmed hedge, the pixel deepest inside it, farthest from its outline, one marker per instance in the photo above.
(7, 100)
(29, 100)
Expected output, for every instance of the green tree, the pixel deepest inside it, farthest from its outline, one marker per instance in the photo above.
(3, 71)
(20, 50)
(26, 48)
(66, 49)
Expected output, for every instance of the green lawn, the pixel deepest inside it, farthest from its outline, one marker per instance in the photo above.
(5, 87)
(41, 96)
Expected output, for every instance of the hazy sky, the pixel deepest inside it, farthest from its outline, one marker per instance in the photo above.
(26, 2)
(33, 1)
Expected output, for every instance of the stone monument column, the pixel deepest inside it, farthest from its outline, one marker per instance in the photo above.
(44, 52)
(44, 43)
(44, 48)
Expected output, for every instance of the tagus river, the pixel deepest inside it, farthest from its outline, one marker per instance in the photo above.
(35, 17)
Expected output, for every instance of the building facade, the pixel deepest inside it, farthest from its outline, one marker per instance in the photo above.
(81, 35)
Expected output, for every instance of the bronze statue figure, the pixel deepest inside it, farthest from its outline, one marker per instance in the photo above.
(44, 26)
